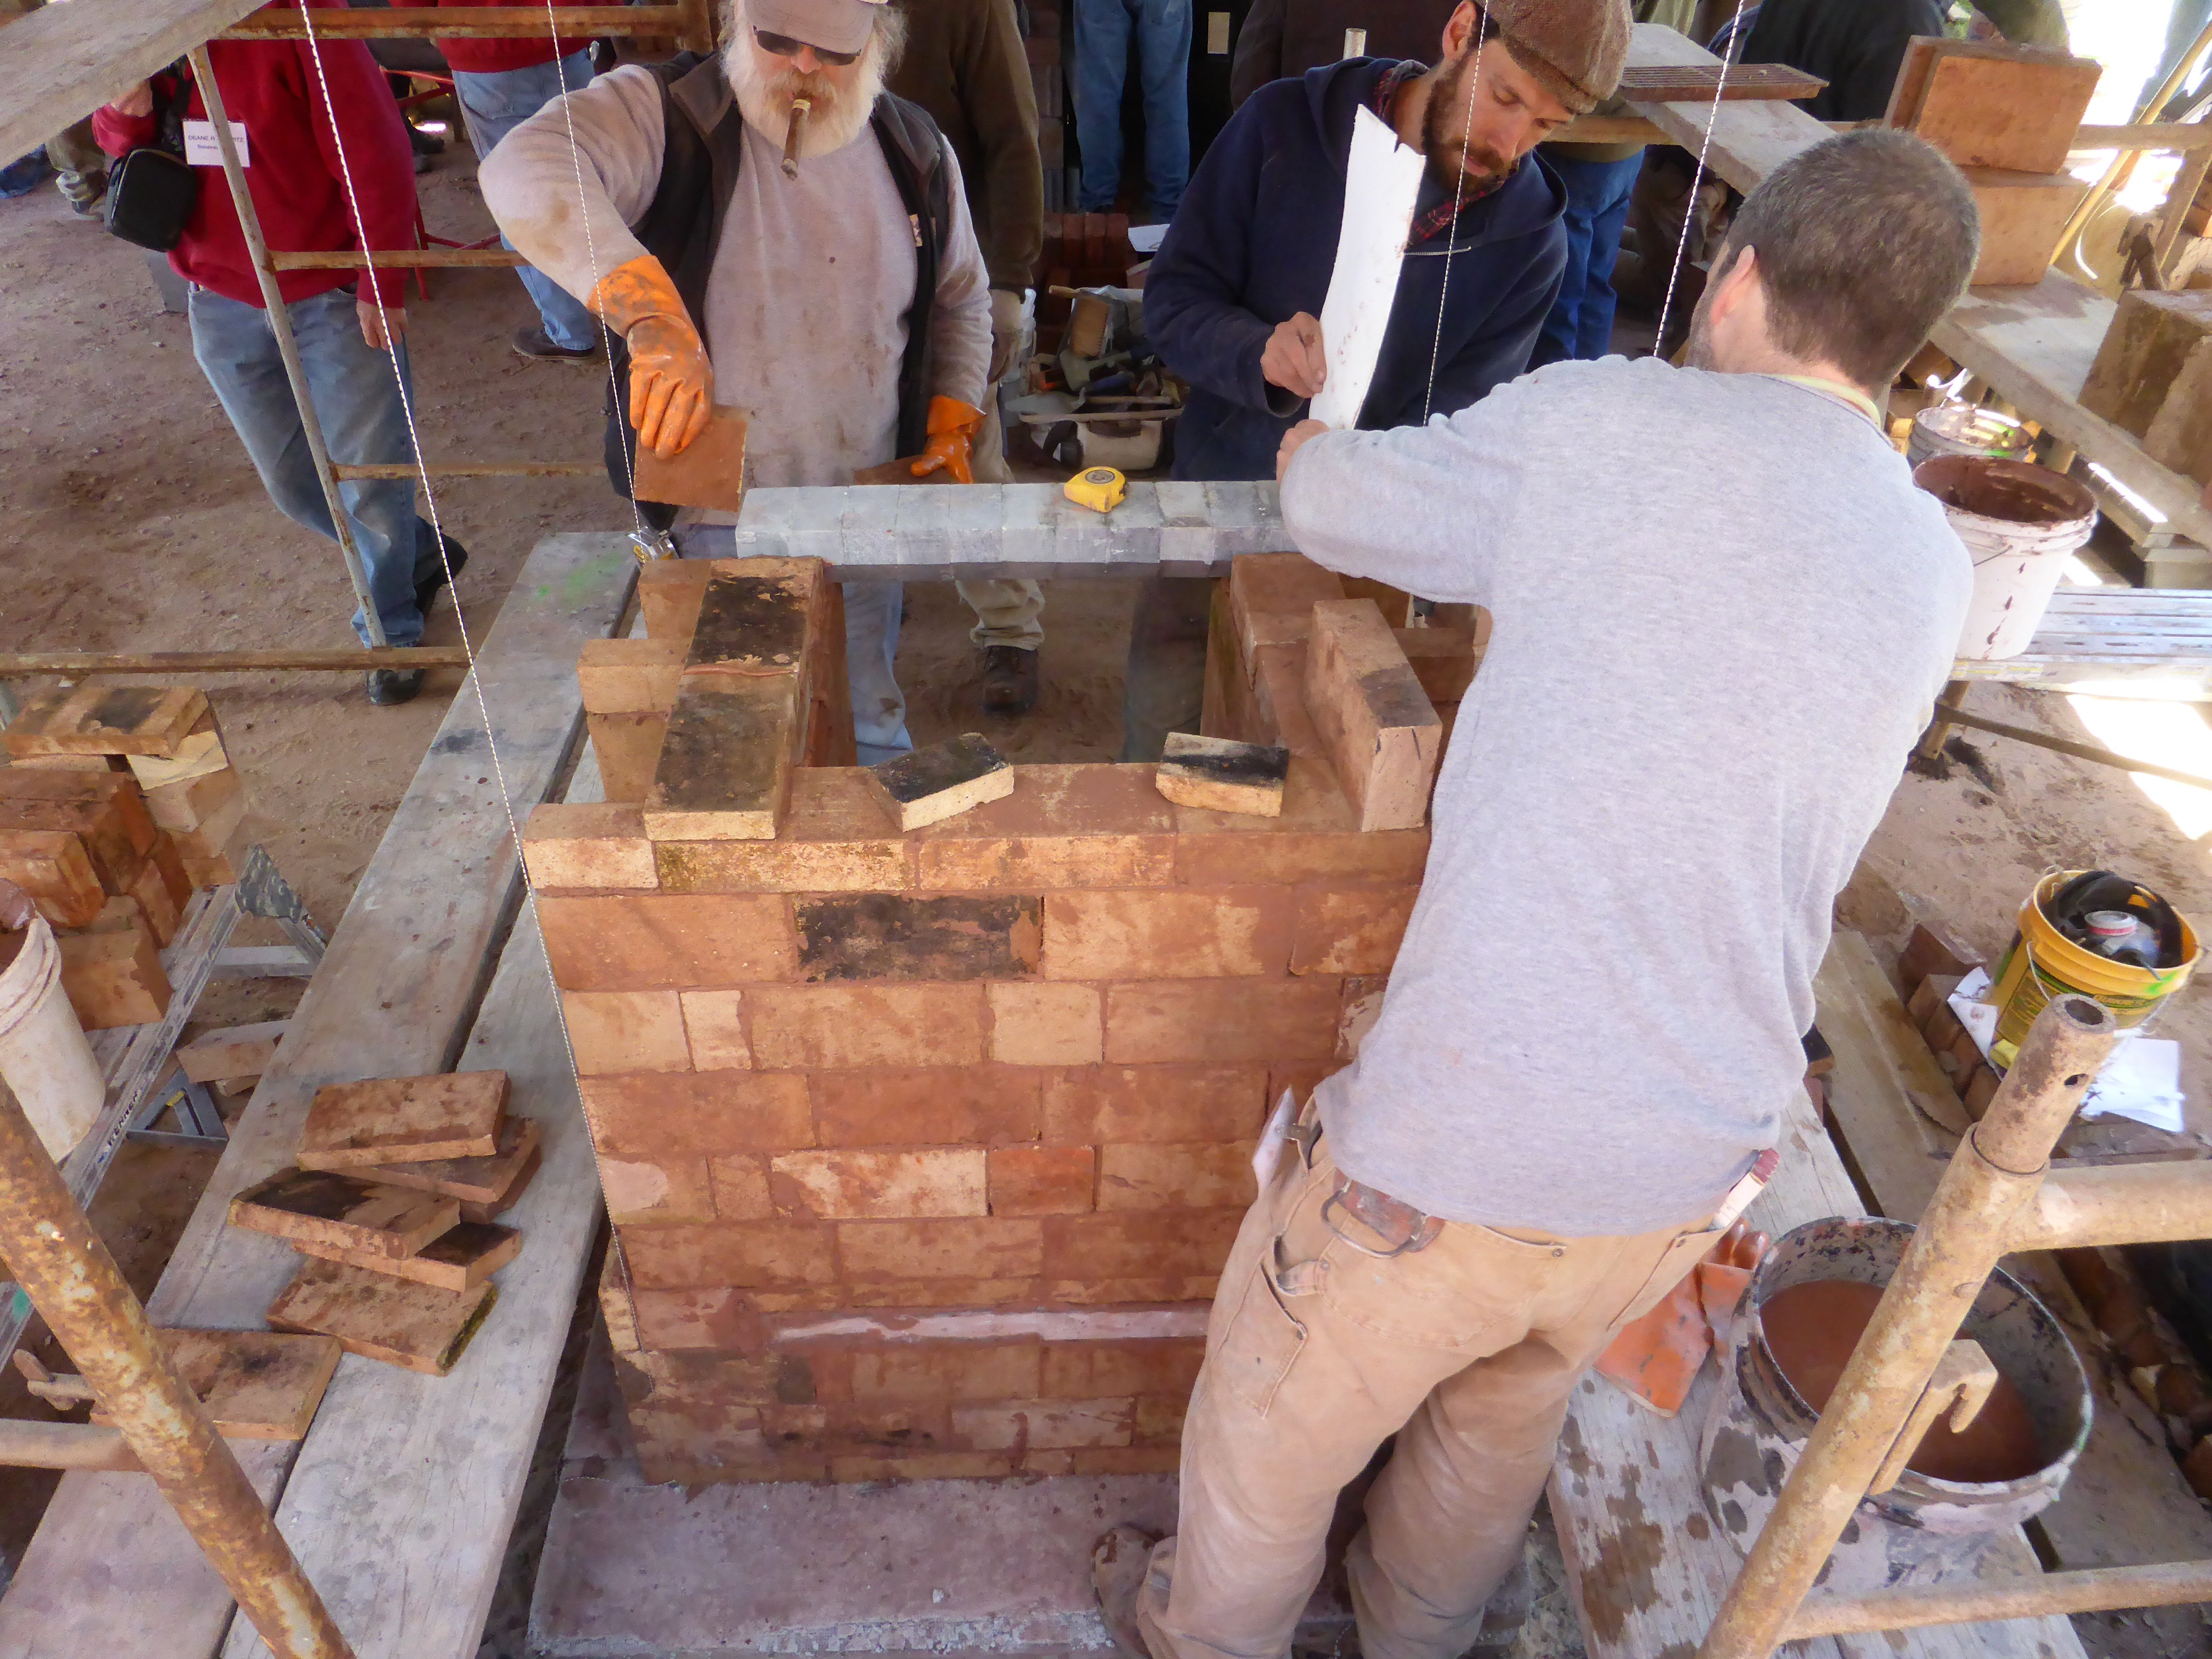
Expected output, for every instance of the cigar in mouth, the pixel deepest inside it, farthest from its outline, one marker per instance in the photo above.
(799, 108)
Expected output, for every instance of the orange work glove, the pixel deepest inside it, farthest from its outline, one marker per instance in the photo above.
(952, 429)
(671, 384)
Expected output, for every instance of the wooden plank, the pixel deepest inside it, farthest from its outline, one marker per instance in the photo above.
(575, 23)
(240, 1051)
(1671, 84)
(403, 1495)
(116, 1574)
(61, 63)
(1749, 139)
(1648, 1568)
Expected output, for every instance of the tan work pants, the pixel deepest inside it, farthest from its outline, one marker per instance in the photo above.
(1317, 1352)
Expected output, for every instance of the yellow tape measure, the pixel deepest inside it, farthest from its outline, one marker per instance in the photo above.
(1098, 488)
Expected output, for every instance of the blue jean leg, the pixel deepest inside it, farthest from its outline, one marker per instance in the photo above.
(357, 401)
(1580, 324)
(871, 636)
(492, 106)
(1164, 63)
(1163, 29)
(1102, 61)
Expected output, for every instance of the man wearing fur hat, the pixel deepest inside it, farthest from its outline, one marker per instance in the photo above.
(840, 301)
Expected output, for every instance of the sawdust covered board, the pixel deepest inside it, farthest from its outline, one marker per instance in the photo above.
(404, 1120)
(253, 1385)
(460, 1260)
(494, 1179)
(334, 1209)
(417, 1326)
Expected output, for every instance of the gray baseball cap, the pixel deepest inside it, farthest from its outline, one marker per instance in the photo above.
(831, 25)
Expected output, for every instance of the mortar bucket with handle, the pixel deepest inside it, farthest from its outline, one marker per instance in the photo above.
(2042, 963)
(2021, 524)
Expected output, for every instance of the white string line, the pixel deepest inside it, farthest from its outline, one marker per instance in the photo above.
(1451, 232)
(1697, 180)
(468, 647)
(624, 442)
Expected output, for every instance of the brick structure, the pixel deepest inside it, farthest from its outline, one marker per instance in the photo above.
(924, 1149)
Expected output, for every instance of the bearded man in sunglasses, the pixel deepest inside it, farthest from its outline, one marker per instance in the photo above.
(840, 301)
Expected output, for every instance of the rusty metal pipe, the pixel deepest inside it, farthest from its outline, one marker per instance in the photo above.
(2118, 1204)
(75, 1286)
(1968, 1225)
(29, 1446)
(2093, 1589)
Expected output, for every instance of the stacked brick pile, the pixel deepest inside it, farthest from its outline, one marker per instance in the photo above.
(118, 802)
(924, 1149)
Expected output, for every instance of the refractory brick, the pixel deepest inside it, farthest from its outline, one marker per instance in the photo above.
(937, 1106)
(1169, 934)
(613, 1031)
(672, 941)
(1041, 1180)
(946, 1182)
(1046, 1025)
(855, 1026)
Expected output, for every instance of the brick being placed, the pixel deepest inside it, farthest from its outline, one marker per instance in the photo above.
(913, 1136)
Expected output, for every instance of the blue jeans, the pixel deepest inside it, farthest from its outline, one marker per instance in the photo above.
(1580, 321)
(356, 400)
(871, 636)
(1102, 29)
(494, 105)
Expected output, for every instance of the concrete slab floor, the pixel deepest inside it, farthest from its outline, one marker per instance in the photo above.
(942, 1566)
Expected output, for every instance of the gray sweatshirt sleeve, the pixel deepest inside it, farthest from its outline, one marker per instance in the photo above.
(961, 330)
(529, 180)
(1422, 508)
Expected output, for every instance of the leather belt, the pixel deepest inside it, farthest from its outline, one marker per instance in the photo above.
(1398, 1225)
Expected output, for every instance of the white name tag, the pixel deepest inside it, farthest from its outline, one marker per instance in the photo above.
(202, 150)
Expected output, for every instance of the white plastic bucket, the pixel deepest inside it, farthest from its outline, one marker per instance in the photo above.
(1963, 429)
(2021, 523)
(44, 1057)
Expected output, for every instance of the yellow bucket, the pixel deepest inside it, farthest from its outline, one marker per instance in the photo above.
(2043, 962)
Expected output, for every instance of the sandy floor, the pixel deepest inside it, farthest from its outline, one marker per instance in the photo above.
(133, 522)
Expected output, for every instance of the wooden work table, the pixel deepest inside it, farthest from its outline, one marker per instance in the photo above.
(2032, 345)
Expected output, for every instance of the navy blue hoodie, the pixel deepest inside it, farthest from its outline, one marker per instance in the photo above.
(1253, 242)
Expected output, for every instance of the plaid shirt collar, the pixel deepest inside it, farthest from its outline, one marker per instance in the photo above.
(1442, 219)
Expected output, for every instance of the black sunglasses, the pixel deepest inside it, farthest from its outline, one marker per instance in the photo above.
(783, 45)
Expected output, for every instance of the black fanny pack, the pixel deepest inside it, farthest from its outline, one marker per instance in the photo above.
(152, 190)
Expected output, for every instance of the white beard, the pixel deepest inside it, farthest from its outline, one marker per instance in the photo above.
(837, 117)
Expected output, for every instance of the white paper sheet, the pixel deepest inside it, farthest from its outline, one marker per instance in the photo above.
(2140, 1079)
(1381, 183)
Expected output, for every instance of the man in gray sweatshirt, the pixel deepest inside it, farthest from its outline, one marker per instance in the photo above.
(1722, 611)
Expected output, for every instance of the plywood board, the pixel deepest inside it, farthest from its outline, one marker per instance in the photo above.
(403, 1120)
(402, 981)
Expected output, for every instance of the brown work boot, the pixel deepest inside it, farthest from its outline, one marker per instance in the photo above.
(1010, 679)
(1118, 1562)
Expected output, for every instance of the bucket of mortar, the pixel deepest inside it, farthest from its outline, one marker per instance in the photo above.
(2021, 523)
(2043, 962)
(1963, 429)
(1924, 1528)
(44, 1056)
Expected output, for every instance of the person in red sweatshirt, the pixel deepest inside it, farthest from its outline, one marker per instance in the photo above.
(306, 117)
(499, 85)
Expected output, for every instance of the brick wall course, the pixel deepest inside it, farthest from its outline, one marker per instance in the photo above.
(1046, 1025)
(944, 1181)
(1042, 1179)
(993, 1248)
(1350, 930)
(1172, 934)
(1201, 1020)
(950, 937)
(1165, 1176)
(674, 942)
(1173, 1103)
(844, 1026)
(940, 1106)
(1150, 1243)
(1063, 827)
(697, 1114)
(766, 1254)
(588, 847)
(611, 1032)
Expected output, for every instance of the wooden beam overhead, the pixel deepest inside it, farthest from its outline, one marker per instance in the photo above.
(60, 63)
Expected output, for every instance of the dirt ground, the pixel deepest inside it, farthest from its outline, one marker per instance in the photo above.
(132, 520)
